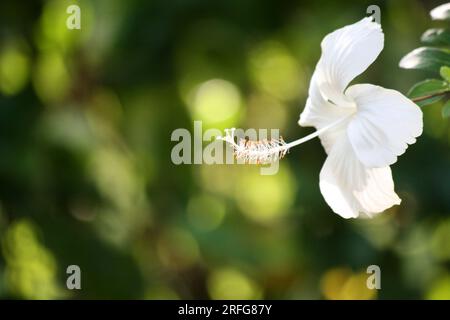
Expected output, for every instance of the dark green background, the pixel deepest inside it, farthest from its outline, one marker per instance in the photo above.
(86, 176)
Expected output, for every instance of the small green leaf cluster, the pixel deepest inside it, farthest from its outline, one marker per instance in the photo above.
(434, 57)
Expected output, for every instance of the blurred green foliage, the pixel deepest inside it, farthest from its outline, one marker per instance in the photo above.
(86, 176)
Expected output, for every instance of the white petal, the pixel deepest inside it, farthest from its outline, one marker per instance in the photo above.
(351, 189)
(346, 53)
(349, 51)
(320, 113)
(385, 123)
(441, 12)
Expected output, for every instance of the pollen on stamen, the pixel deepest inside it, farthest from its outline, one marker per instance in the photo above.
(256, 152)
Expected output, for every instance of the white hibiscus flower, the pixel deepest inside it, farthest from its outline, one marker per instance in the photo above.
(378, 123)
(363, 127)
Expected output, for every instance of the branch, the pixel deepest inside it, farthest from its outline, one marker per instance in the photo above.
(418, 99)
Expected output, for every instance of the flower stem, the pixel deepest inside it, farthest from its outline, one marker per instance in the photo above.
(436, 94)
(314, 134)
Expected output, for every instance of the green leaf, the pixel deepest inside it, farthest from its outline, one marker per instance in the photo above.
(445, 73)
(441, 13)
(436, 37)
(426, 88)
(426, 58)
(446, 110)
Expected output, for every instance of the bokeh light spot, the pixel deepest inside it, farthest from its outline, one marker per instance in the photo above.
(228, 283)
(275, 71)
(265, 198)
(53, 32)
(51, 78)
(30, 267)
(440, 289)
(342, 284)
(216, 101)
(14, 70)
